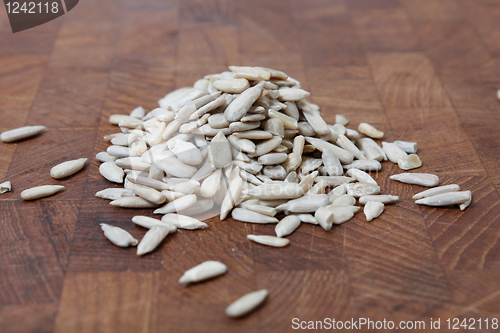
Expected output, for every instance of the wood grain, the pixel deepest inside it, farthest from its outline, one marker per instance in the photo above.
(424, 71)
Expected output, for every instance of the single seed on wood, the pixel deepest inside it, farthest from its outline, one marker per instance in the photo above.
(287, 225)
(246, 215)
(118, 236)
(324, 216)
(344, 200)
(409, 162)
(269, 240)
(184, 222)
(114, 193)
(383, 198)
(424, 179)
(177, 205)
(20, 133)
(437, 190)
(149, 222)
(204, 271)
(5, 187)
(409, 147)
(220, 151)
(239, 107)
(361, 176)
(364, 165)
(445, 199)
(132, 202)
(373, 209)
(151, 240)
(370, 131)
(305, 204)
(41, 192)
(498, 94)
(246, 304)
(359, 189)
(232, 86)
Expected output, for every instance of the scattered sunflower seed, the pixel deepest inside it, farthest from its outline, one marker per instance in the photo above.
(118, 236)
(204, 271)
(5, 187)
(20, 133)
(246, 304)
(41, 192)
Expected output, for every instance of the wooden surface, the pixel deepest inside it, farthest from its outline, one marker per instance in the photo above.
(424, 71)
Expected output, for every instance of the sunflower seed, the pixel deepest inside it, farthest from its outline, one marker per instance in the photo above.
(269, 240)
(187, 153)
(371, 149)
(361, 176)
(115, 119)
(211, 184)
(344, 156)
(424, 179)
(468, 202)
(246, 304)
(305, 129)
(288, 122)
(120, 151)
(379, 198)
(341, 119)
(114, 193)
(118, 236)
(242, 144)
(201, 206)
(220, 151)
(153, 183)
(370, 131)
(246, 215)
(347, 144)
(272, 158)
(5, 187)
(132, 163)
(255, 207)
(109, 137)
(149, 222)
(184, 222)
(232, 86)
(204, 271)
(20, 133)
(373, 209)
(317, 122)
(305, 204)
(173, 167)
(409, 162)
(307, 218)
(324, 216)
(186, 186)
(149, 194)
(344, 200)
(251, 73)
(41, 192)
(332, 163)
(342, 214)
(220, 101)
(239, 107)
(393, 152)
(266, 146)
(310, 164)
(276, 190)
(287, 225)
(409, 147)
(138, 112)
(437, 190)
(132, 202)
(334, 180)
(152, 239)
(105, 157)
(359, 189)
(177, 205)
(445, 199)
(276, 172)
(337, 192)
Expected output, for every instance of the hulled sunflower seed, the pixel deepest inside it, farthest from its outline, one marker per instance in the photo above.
(359, 189)
(409, 147)
(287, 225)
(220, 151)
(468, 202)
(409, 162)
(266, 146)
(211, 184)
(423, 179)
(334, 180)
(385, 199)
(204, 271)
(20, 133)
(332, 163)
(41, 192)
(437, 190)
(316, 121)
(269, 240)
(132, 202)
(287, 121)
(305, 204)
(371, 149)
(361, 176)
(373, 209)
(344, 156)
(341, 119)
(152, 239)
(347, 144)
(393, 152)
(105, 157)
(174, 167)
(153, 183)
(5, 187)
(254, 135)
(239, 107)
(307, 218)
(342, 214)
(232, 197)
(364, 165)
(118, 236)
(246, 215)
(149, 222)
(276, 190)
(370, 131)
(272, 158)
(446, 199)
(251, 73)
(184, 222)
(177, 205)
(344, 200)
(276, 172)
(149, 194)
(246, 304)
(114, 193)
(324, 216)
(232, 86)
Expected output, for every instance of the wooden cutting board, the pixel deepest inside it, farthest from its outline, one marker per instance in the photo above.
(424, 71)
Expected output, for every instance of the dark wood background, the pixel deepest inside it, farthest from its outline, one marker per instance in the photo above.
(420, 70)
